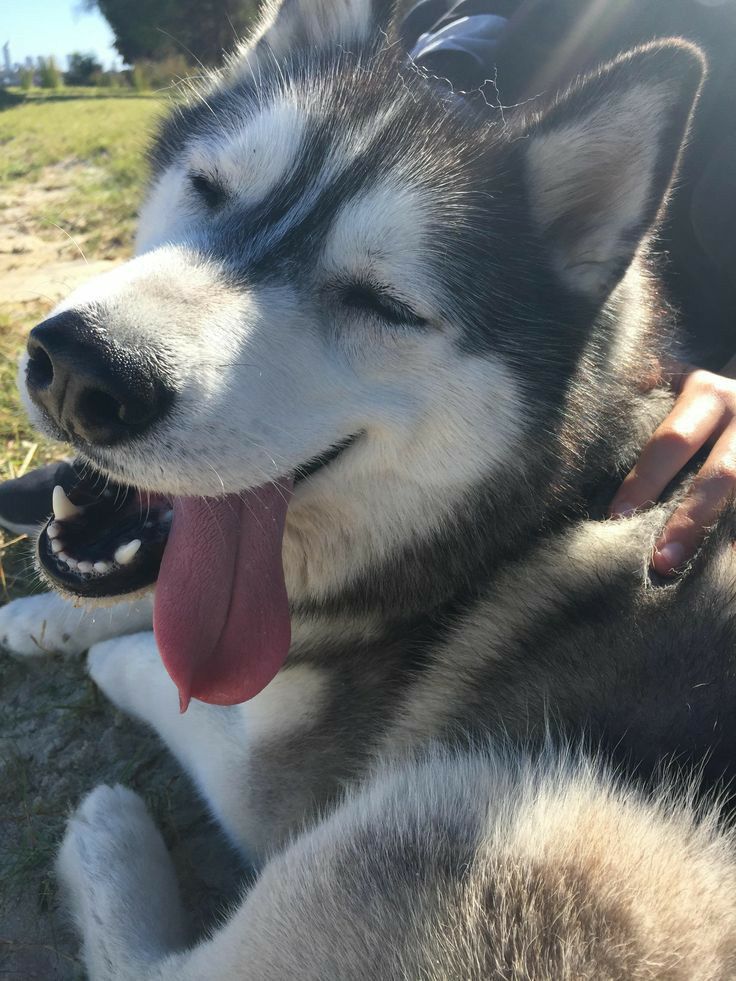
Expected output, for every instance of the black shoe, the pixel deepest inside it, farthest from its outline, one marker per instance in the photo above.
(25, 502)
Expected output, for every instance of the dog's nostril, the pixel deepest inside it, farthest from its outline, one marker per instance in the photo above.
(40, 370)
(100, 409)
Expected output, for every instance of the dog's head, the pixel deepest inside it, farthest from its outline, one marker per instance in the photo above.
(348, 291)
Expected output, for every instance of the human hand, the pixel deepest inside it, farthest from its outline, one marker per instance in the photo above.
(705, 411)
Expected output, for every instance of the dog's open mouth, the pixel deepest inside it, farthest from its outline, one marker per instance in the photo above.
(221, 612)
(104, 542)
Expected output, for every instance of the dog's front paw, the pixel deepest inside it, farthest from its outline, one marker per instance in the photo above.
(109, 836)
(40, 625)
(117, 877)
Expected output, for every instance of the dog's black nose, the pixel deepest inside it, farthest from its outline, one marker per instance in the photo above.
(91, 388)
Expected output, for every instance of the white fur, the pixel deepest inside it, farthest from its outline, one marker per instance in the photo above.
(313, 22)
(118, 879)
(381, 235)
(256, 156)
(248, 161)
(213, 743)
(168, 212)
(35, 626)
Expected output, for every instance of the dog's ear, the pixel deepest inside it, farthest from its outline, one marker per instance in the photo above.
(599, 163)
(290, 26)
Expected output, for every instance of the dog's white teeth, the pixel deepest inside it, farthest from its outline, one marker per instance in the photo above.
(102, 567)
(126, 553)
(56, 546)
(53, 530)
(85, 567)
(63, 556)
(63, 507)
(72, 563)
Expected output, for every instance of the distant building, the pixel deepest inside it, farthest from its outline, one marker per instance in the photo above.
(10, 74)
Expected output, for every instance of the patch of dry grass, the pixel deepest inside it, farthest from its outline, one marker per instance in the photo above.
(21, 448)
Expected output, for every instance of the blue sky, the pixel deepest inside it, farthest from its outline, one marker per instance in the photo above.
(54, 27)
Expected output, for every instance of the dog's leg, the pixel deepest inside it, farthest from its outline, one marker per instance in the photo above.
(49, 624)
(120, 885)
(208, 740)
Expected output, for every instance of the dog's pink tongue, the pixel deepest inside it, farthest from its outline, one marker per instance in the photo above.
(221, 614)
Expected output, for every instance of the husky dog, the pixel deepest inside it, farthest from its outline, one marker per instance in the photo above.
(361, 400)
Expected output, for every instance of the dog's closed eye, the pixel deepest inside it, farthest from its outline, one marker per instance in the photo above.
(209, 190)
(376, 300)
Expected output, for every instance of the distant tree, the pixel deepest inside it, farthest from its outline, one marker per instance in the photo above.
(26, 79)
(202, 30)
(84, 69)
(49, 74)
(139, 77)
(160, 74)
(111, 79)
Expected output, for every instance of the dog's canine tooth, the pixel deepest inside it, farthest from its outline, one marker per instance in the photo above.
(85, 567)
(63, 507)
(102, 567)
(126, 553)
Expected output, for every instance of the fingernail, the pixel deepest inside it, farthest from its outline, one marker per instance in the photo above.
(623, 510)
(671, 555)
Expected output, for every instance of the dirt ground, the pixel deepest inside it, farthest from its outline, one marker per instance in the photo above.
(37, 259)
(58, 736)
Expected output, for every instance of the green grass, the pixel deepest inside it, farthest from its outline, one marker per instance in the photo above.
(98, 138)
(72, 127)
(102, 137)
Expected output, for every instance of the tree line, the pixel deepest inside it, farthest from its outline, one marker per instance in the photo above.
(202, 31)
(85, 70)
